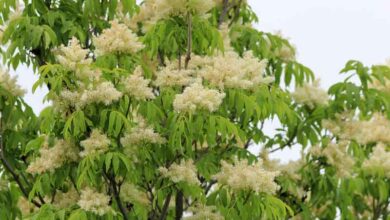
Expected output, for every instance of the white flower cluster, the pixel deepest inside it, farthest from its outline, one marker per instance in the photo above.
(54, 157)
(137, 86)
(64, 200)
(104, 92)
(196, 97)
(379, 161)
(170, 75)
(142, 133)
(117, 39)
(9, 84)
(73, 56)
(130, 193)
(311, 95)
(202, 212)
(152, 11)
(336, 155)
(95, 202)
(377, 129)
(289, 169)
(185, 171)
(243, 176)
(97, 143)
(285, 53)
(91, 87)
(229, 70)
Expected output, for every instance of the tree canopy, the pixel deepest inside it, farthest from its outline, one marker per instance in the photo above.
(155, 105)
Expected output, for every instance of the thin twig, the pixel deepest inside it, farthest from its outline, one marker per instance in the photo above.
(222, 16)
(115, 193)
(189, 40)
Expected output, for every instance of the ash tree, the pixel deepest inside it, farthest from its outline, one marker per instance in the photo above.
(155, 109)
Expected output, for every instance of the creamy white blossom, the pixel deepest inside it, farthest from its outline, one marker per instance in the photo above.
(26, 207)
(54, 157)
(311, 95)
(64, 200)
(376, 129)
(196, 97)
(73, 56)
(142, 133)
(244, 176)
(117, 39)
(137, 86)
(9, 84)
(203, 212)
(131, 193)
(229, 70)
(170, 75)
(97, 143)
(185, 171)
(95, 202)
(104, 92)
(336, 154)
(379, 161)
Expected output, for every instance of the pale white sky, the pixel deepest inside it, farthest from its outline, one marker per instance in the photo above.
(326, 34)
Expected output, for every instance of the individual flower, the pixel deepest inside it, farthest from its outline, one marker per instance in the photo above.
(130, 193)
(196, 97)
(95, 202)
(117, 39)
(10, 85)
(73, 56)
(54, 157)
(379, 161)
(97, 143)
(202, 212)
(185, 171)
(311, 95)
(137, 86)
(244, 176)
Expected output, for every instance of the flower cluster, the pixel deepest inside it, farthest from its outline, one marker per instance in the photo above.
(142, 133)
(290, 169)
(376, 129)
(26, 207)
(379, 161)
(229, 70)
(243, 176)
(137, 86)
(336, 155)
(202, 212)
(73, 56)
(103, 93)
(97, 143)
(130, 193)
(152, 11)
(196, 97)
(185, 171)
(95, 202)
(170, 75)
(117, 39)
(66, 199)
(54, 157)
(311, 95)
(9, 84)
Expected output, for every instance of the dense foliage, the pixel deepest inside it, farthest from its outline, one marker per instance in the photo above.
(156, 107)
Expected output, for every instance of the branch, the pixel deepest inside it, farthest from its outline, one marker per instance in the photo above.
(115, 193)
(223, 13)
(165, 207)
(189, 40)
(13, 173)
(179, 205)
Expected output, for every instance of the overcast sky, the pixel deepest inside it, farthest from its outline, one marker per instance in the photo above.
(326, 34)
